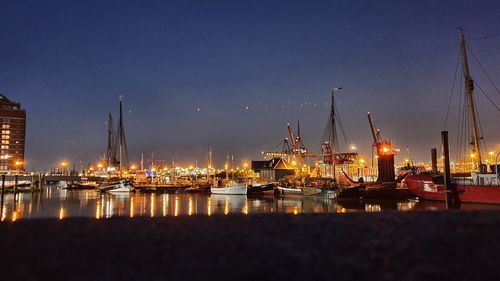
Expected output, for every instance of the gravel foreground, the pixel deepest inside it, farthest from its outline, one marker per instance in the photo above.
(383, 246)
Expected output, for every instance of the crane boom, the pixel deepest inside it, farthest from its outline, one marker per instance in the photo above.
(292, 137)
(372, 128)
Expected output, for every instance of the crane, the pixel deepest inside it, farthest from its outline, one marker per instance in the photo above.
(385, 154)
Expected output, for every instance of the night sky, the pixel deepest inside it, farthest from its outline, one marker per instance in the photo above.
(248, 66)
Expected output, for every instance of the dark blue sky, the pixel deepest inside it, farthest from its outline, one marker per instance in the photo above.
(68, 61)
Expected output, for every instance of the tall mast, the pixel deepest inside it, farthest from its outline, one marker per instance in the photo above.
(227, 167)
(209, 162)
(333, 137)
(120, 141)
(469, 89)
(142, 162)
(110, 149)
(120, 132)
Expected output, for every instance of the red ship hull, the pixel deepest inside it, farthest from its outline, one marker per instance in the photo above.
(424, 187)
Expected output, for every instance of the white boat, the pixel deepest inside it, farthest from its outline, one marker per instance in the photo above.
(117, 186)
(289, 190)
(230, 188)
(124, 189)
(306, 191)
(62, 185)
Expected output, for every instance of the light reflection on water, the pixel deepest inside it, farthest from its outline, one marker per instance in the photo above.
(55, 203)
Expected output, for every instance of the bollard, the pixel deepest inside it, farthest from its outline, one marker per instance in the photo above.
(447, 177)
(3, 192)
(434, 160)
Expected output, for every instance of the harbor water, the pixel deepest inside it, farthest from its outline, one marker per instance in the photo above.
(59, 203)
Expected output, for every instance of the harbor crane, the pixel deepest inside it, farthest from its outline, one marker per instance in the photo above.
(385, 154)
(292, 148)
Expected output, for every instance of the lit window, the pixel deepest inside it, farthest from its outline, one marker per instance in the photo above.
(4, 147)
(5, 126)
(5, 142)
(5, 137)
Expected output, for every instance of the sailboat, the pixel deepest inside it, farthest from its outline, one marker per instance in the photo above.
(481, 187)
(121, 185)
(231, 187)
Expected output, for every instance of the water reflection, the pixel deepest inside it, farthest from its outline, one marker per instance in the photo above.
(54, 203)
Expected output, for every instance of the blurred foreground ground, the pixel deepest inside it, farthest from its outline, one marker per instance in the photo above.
(381, 246)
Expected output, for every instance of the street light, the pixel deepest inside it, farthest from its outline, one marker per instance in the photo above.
(64, 164)
(18, 164)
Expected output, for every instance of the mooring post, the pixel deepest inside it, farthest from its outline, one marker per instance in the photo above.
(434, 160)
(15, 184)
(3, 192)
(447, 176)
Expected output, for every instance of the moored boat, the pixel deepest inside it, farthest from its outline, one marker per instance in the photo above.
(267, 189)
(230, 188)
(480, 187)
(429, 187)
(117, 186)
(76, 185)
(306, 190)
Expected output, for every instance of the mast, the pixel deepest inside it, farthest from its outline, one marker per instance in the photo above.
(110, 149)
(121, 137)
(469, 89)
(142, 161)
(120, 141)
(209, 162)
(333, 137)
(227, 167)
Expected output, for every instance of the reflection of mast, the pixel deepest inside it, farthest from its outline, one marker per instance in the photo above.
(469, 88)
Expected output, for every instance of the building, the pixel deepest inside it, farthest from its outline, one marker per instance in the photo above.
(13, 122)
(274, 169)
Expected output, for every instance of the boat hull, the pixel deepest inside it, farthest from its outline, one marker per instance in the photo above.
(123, 189)
(230, 190)
(305, 191)
(117, 187)
(425, 188)
(262, 189)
